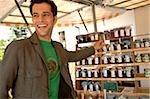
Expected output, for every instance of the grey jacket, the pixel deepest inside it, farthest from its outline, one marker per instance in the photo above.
(25, 70)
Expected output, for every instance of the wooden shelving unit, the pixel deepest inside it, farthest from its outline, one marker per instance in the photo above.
(131, 92)
(136, 90)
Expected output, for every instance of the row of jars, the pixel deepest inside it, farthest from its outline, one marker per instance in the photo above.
(125, 44)
(89, 61)
(90, 73)
(145, 57)
(90, 85)
(118, 33)
(139, 43)
(87, 38)
(106, 59)
(120, 72)
(116, 58)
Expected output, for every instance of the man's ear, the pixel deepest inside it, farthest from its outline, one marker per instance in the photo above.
(55, 19)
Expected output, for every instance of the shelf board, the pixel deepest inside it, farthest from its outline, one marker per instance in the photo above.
(113, 65)
(130, 91)
(125, 50)
(115, 79)
(124, 64)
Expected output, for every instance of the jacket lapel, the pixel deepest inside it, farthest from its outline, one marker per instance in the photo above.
(35, 42)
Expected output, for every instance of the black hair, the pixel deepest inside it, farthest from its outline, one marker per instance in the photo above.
(50, 2)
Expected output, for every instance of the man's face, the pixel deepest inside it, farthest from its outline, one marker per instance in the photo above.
(43, 20)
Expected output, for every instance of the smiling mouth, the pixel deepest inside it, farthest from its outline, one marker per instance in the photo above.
(41, 26)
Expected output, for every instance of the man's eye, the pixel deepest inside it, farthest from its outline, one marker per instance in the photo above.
(45, 14)
(34, 15)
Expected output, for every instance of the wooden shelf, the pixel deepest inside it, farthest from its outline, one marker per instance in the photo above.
(129, 91)
(125, 50)
(124, 64)
(113, 65)
(115, 79)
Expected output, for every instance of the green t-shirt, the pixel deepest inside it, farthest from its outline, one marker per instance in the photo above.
(54, 69)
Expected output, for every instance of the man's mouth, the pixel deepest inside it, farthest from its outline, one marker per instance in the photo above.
(41, 26)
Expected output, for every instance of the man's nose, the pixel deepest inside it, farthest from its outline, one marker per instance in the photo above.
(41, 18)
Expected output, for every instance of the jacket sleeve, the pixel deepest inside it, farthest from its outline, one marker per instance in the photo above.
(80, 54)
(8, 70)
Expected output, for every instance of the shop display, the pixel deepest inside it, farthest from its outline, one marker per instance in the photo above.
(119, 61)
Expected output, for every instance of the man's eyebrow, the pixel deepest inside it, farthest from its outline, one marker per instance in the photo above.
(46, 12)
(35, 13)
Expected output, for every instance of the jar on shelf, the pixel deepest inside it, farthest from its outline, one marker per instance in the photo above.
(88, 38)
(107, 35)
(113, 72)
(89, 73)
(129, 72)
(127, 58)
(78, 72)
(84, 85)
(142, 44)
(92, 37)
(105, 59)
(138, 43)
(145, 57)
(96, 36)
(91, 86)
(113, 59)
(111, 47)
(126, 44)
(119, 58)
(83, 73)
(147, 72)
(95, 73)
(128, 31)
(116, 33)
(118, 46)
(89, 60)
(97, 86)
(120, 72)
(138, 58)
(97, 60)
(122, 32)
(146, 42)
(83, 62)
(106, 72)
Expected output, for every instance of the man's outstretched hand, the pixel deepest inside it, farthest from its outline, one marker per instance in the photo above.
(99, 45)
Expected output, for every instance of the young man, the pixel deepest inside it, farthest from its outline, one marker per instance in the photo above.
(36, 67)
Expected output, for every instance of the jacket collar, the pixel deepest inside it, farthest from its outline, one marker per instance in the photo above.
(35, 41)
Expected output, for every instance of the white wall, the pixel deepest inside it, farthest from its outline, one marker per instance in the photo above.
(126, 19)
(142, 20)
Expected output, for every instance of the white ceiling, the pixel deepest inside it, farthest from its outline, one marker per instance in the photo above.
(68, 10)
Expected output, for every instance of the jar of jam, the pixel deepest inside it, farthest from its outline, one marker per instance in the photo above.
(146, 42)
(138, 58)
(128, 31)
(113, 72)
(145, 57)
(116, 33)
(89, 59)
(138, 43)
(105, 59)
(112, 59)
(120, 72)
(122, 32)
(129, 72)
(147, 72)
(119, 58)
